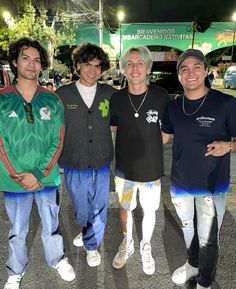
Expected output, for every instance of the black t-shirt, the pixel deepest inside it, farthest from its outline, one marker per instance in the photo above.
(215, 120)
(139, 149)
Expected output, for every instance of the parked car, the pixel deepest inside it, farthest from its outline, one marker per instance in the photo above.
(164, 74)
(4, 77)
(230, 77)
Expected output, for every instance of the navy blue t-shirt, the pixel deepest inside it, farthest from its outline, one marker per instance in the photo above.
(139, 148)
(192, 171)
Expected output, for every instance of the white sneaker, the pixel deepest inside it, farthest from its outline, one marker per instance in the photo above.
(13, 282)
(201, 287)
(93, 258)
(65, 270)
(147, 259)
(78, 240)
(124, 252)
(184, 273)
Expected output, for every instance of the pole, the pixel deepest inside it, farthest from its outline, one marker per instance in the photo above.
(50, 44)
(232, 50)
(194, 30)
(120, 37)
(100, 24)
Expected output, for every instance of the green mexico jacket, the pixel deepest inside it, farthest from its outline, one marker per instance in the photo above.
(30, 147)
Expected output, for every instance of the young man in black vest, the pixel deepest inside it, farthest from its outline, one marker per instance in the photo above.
(88, 147)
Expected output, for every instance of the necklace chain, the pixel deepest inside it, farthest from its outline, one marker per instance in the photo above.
(201, 104)
(137, 109)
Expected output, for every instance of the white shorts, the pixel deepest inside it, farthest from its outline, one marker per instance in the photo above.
(149, 194)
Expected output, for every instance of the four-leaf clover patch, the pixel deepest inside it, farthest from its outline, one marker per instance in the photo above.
(104, 107)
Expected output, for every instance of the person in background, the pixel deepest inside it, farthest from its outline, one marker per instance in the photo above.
(88, 147)
(50, 86)
(57, 79)
(41, 80)
(202, 122)
(211, 76)
(136, 115)
(31, 138)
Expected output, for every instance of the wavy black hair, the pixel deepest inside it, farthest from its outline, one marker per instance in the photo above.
(88, 52)
(23, 43)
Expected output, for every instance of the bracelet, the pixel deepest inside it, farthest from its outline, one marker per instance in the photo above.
(230, 146)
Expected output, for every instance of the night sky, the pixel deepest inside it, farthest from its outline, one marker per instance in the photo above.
(174, 10)
(158, 10)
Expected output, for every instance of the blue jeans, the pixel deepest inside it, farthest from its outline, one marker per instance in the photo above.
(89, 190)
(18, 207)
(201, 218)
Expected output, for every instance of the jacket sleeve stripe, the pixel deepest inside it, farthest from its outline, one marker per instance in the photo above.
(5, 159)
(57, 152)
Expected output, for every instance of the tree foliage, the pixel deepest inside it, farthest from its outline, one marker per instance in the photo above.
(59, 67)
(34, 24)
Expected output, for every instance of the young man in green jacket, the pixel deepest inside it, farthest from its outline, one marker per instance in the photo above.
(31, 137)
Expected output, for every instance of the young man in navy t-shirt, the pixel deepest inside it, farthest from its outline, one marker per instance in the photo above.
(203, 122)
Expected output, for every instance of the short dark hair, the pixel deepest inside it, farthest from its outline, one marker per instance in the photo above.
(24, 43)
(49, 83)
(88, 52)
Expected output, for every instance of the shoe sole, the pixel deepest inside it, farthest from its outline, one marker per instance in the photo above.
(147, 272)
(181, 284)
(78, 245)
(68, 279)
(95, 264)
(119, 267)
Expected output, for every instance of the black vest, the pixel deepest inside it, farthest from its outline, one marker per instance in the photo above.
(88, 141)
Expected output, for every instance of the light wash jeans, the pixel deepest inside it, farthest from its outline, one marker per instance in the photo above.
(89, 192)
(201, 218)
(18, 207)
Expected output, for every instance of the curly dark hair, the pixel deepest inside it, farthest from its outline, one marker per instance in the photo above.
(88, 52)
(24, 43)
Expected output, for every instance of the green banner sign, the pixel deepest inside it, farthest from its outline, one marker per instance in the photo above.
(172, 34)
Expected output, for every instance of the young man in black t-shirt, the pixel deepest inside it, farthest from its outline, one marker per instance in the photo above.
(203, 122)
(137, 112)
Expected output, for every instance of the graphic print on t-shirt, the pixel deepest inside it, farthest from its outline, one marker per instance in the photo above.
(152, 116)
(205, 121)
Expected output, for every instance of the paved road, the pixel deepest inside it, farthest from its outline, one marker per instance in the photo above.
(167, 244)
(228, 91)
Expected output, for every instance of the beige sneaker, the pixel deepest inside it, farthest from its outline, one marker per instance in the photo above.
(78, 240)
(147, 259)
(93, 258)
(184, 273)
(13, 281)
(124, 252)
